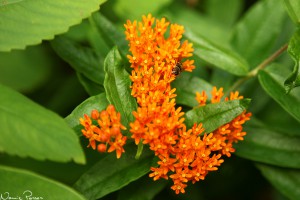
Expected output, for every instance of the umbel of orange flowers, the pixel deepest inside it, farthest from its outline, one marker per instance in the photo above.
(184, 154)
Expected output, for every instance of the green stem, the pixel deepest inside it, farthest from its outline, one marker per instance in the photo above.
(140, 150)
(262, 65)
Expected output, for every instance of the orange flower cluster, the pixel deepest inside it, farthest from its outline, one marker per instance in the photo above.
(107, 132)
(184, 154)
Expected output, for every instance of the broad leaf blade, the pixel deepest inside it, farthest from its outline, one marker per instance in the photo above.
(267, 146)
(91, 87)
(29, 22)
(215, 115)
(220, 57)
(286, 180)
(117, 86)
(272, 79)
(294, 50)
(22, 183)
(98, 102)
(103, 179)
(256, 33)
(293, 8)
(82, 59)
(27, 129)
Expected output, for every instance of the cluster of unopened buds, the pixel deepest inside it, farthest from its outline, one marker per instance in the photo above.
(184, 154)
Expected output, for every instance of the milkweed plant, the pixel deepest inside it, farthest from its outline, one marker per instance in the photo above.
(150, 99)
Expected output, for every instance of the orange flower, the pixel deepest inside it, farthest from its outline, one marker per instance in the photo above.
(107, 132)
(184, 155)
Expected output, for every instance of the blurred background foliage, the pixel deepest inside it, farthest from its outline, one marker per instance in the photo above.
(61, 73)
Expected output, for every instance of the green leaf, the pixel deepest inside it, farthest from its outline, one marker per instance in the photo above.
(215, 115)
(286, 180)
(103, 179)
(27, 129)
(117, 86)
(186, 87)
(91, 87)
(272, 79)
(137, 189)
(29, 22)
(112, 35)
(256, 33)
(82, 59)
(98, 102)
(224, 13)
(271, 147)
(294, 50)
(26, 70)
(23, 184)
(293, 9)
(218, 56)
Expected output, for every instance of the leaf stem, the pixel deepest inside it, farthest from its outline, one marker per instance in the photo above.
(262, 65)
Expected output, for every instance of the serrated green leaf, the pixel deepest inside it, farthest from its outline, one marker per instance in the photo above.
(136, 190)
(224, 13)
(117, 86)
(91, 87)
(27, 129)
(286, 180)
(22, 184)
(26, 70)
(218, 56)
(82, 59)
(103, 179)
(255, 35)
(186, 87)
(215, 115)
(271, 147)
(272, 79)
(29, 22)
(293, 9)
(294, 50)
(113, 36)
(98, 102)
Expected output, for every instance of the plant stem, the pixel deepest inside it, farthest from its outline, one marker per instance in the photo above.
(262, 65)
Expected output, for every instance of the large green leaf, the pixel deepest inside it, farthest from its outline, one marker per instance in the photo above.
(256, 33)
(29, 22)
(215, 115)
(82, 59)
(286, 180)
(272, 79)
(293, 8)
(28, 129)
(103, 179)
(271, 147)
(186, 87)
(98, 102)
(117, 86)
(26, 70)
(220, 57)
(21, 184)
(294, 50)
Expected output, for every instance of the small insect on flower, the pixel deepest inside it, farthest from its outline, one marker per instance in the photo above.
(177, 69)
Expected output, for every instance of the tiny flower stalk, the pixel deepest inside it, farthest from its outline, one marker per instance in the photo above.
(184, 155)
